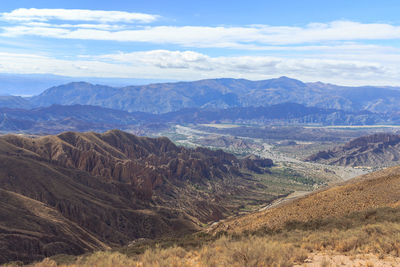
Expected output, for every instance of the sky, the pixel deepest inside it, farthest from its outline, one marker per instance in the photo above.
(342, 42)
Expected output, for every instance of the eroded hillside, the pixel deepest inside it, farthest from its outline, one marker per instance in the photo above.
(120, 187)
(377, 150)
(352, 224)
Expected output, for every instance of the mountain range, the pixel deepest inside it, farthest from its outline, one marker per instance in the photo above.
(222, 93)
(81, 106)
(217, 94)
(33, 84)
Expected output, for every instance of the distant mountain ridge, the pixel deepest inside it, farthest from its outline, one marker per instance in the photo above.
(14, 102)
(289, 113)
(58, 118)
(220, 94)
(34, 84)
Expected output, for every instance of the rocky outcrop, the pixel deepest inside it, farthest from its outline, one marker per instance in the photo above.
(256, 163)
(377, 150)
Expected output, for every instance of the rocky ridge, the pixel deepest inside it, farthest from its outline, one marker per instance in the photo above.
(377, 150)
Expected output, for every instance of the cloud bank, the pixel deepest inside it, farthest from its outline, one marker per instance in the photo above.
(190, 65)
(205, 36)
(34, 14)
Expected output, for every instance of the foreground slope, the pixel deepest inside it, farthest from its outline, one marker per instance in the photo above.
(377, 150)
(120, 187)
(370, 191)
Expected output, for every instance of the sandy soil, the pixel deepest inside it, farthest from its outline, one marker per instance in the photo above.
(332, 259)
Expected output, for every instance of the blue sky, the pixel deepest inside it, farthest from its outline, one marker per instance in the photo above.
(343, 42)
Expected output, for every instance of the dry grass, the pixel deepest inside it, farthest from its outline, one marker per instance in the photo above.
(373, 232)
(225, 252)
(371, 191)
(284, 248)
(253, 251)
(380, 239)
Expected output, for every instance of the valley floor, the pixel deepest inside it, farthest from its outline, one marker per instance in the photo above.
(288, 155)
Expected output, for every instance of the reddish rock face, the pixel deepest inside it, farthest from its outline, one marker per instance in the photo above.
(142, 162)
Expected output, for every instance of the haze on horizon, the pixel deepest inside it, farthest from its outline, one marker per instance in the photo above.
(345, 42)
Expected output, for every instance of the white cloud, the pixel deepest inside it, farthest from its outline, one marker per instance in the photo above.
(162, 59)
(99, 26)
(190, 65)
(34, 14)
(251, 37)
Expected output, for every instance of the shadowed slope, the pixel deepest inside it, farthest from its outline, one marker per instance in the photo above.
(29, 229)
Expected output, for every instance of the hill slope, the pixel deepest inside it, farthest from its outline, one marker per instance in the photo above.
(371, 191)
(375, 150)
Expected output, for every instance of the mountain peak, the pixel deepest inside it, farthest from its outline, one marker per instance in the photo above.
(288, 79)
